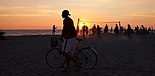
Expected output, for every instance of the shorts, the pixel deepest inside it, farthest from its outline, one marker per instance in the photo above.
(67, 45)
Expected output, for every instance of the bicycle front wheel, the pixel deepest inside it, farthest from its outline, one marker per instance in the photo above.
(54, 59)
(87, 57)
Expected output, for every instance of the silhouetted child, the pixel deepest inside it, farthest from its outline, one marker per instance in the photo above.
(53, 31)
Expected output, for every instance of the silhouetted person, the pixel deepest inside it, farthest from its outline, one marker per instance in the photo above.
(137, 29)
(152, 30)
(106, 29)
(84, 29)
(116, 31)
(149, 30)
(94, 30)
(143, 30)
(129, 30)
(98, 30)
(68, 33)
(53, 30)
(111, 29)
(77, 30)
(121, 29)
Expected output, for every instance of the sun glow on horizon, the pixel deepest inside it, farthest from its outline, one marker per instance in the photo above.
(38, 14)
(81, 24)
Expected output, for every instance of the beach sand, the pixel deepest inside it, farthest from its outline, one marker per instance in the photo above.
(117, 56)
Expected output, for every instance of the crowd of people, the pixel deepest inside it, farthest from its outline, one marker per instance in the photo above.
(96, 30)
(137, 30)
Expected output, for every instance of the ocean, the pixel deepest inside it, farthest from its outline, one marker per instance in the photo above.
(29, 32)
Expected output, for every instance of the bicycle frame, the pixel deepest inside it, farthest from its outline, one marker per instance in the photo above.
(76, 49)
(76, 53)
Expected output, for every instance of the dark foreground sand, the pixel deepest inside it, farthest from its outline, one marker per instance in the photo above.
(117, 56)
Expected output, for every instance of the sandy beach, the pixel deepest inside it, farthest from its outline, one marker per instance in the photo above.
(117, 56)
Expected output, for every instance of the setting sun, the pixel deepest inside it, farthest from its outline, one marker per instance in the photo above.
(82, 23)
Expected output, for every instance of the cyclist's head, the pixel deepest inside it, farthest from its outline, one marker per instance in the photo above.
(65, 13)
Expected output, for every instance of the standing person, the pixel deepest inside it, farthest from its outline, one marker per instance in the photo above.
(106, 29)
(149, 30)
(111, 29)
(68, 34)
(94, 30)
(137, 29)
(53, 31)
(143, 30)
(98, 30)
(116, 31)
(121, 29)
(129, 30)
(84, 29)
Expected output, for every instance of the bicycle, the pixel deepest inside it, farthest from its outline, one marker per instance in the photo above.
(87, 56)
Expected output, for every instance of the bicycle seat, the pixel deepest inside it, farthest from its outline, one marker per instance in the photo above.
(79, 39)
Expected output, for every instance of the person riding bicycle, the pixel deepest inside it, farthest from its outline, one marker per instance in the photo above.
(68, 35)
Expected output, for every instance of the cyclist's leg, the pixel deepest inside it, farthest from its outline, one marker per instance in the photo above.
(67, 45)
(66, 66)
(69, 57)
(65, 51)
(68, 49)
(72, 58)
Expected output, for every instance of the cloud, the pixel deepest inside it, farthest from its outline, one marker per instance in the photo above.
(144, 14)
(39, 10)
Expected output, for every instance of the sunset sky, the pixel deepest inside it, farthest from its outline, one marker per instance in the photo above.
(42, 14)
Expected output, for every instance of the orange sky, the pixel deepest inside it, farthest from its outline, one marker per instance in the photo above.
(42, 14)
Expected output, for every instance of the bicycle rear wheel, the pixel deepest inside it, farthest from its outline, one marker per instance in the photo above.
(54, 59)
(87, 57)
